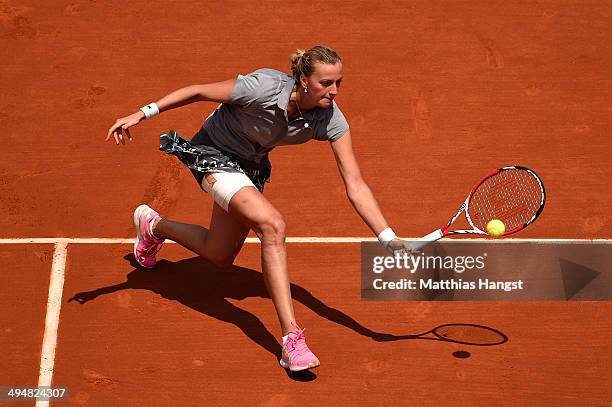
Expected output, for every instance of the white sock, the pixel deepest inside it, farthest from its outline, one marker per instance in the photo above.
(285, 338)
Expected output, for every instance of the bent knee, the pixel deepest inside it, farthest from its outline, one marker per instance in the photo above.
(272, 230)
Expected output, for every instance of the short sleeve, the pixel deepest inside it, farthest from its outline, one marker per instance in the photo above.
(256, 88)
(337, 125)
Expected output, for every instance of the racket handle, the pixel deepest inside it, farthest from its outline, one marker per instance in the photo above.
(425, 240)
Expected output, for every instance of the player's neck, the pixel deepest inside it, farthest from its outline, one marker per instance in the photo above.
(296, 106)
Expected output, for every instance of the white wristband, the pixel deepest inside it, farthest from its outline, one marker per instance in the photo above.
(150, 110)
(386, 236)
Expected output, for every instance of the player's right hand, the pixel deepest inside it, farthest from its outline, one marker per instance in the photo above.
(120, 130)
(401, 247)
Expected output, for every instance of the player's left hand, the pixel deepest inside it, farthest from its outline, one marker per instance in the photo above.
(120, 130)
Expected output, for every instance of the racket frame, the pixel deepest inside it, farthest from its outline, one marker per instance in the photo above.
(444, 232)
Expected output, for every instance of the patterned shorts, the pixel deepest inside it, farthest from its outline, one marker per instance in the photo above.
(202, 156)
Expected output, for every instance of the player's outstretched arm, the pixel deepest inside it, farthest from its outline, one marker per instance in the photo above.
(361, 197)
(214, 92)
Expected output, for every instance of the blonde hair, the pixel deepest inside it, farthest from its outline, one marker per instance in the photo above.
(302, 62)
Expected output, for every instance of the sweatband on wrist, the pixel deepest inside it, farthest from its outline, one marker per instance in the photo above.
(150, 110)
(386, 236)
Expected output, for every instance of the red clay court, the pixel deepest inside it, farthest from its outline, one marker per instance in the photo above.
(436, 96)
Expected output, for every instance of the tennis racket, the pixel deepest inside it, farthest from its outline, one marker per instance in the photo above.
(515, 195)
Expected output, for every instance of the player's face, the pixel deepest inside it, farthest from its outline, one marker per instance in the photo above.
(323, 84)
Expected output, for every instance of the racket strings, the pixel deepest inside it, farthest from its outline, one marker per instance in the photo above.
(513, 196)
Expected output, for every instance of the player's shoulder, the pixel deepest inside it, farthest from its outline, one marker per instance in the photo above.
(263, 83)
(271, 72)
(334, 123)
(262, 87)
(333, 111)
(267, 75)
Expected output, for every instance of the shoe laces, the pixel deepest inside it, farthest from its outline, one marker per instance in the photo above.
(296, 340)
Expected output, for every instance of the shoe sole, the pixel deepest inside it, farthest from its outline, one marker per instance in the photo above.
(286, 365)
(137, 214)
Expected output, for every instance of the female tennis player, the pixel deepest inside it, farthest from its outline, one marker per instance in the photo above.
(229, 159)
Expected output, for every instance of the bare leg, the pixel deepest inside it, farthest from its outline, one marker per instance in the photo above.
(220, 244)
(250, 207)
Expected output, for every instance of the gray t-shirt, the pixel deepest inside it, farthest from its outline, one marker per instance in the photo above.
(255, 119)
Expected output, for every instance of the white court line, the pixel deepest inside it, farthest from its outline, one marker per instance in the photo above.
(56, 285)
(80, 240)
(54, 303)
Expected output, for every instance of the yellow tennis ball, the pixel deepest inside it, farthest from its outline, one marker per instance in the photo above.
(496, 227)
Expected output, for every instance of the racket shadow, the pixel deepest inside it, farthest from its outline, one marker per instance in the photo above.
(461, 333)
(205, 288)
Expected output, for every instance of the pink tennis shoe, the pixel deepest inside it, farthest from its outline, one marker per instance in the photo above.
(147, 245)
(296, 355)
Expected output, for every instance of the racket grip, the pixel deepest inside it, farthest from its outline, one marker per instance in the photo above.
(425, 240)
